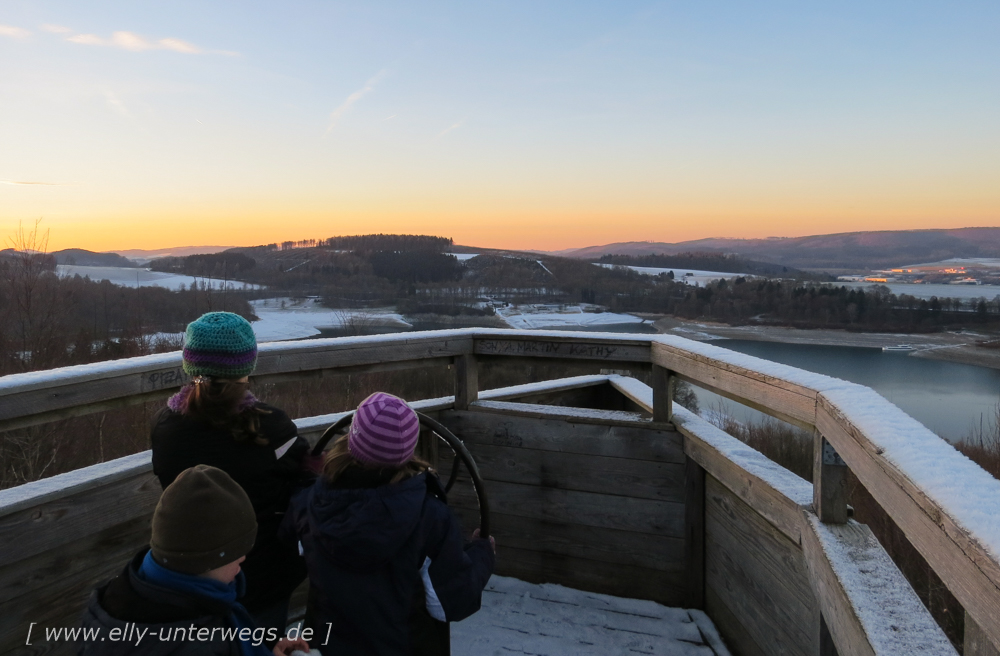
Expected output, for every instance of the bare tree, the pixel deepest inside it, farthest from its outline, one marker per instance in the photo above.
(32, 304)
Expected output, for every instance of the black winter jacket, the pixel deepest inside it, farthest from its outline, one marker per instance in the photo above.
(381, 556)
(272, 568)
(140, 612)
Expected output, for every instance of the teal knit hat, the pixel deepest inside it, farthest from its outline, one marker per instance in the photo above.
(220, 345)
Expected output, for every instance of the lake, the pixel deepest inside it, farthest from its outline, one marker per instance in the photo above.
(947, 397)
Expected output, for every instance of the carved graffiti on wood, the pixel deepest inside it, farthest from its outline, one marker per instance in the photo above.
(163, 379)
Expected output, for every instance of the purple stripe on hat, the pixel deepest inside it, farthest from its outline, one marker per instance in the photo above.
(218, 357)
(384, 431)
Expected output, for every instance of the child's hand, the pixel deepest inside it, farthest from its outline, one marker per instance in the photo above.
(493, 543)
(286, 646)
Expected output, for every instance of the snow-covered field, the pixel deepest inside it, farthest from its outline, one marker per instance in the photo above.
(524, 618)
(287, 318)
(531, 316)
(462, 257)
(143, 277)
(694, 277)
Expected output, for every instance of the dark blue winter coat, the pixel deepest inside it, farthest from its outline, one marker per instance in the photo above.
(380, 555)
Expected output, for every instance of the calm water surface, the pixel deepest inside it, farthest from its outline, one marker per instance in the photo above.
(947, 397)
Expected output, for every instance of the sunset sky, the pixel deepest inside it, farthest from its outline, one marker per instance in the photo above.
(503, 124)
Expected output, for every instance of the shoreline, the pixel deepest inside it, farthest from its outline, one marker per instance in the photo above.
(949, 346)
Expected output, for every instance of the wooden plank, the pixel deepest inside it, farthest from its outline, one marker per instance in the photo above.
(866, 602)
(829, 482)
(583, 508)
(775, 396)
(661, 383)
(976, 642)
(839, 615)
(94, 557)
(655, 552)
(759, 575)
(739, 640)
(564, 347)
(68, 519)
(585, 473)
(52, 587)
(827, 647)
(378, 367)
(592, 575)
(694, 533)
(774, 506)
(42, 393)
(964, 565)
(582, 415)
(466, 381)
(638, 442)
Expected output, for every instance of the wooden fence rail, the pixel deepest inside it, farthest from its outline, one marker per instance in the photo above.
(943, 502)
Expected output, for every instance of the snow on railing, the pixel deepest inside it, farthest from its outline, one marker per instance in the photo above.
(944, 503)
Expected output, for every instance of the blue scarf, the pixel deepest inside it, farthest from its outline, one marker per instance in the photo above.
(201, 586)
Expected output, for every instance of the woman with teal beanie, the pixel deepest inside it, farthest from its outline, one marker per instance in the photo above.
(215, 420)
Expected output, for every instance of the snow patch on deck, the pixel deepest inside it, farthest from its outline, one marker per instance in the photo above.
(552, 620)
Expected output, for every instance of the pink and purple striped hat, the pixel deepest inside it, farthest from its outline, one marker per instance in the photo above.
(384, 431)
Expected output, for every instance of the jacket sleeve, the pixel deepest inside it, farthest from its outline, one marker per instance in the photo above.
(293, 458)
(458, 571)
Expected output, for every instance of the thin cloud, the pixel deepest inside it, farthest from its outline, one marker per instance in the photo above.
(449, 129)
(56, 29)
(135, 43)
(116, 105)
(27, 182)
(338, 113)
(14, 32)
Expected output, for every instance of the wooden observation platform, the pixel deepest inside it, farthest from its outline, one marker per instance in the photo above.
(596, 482)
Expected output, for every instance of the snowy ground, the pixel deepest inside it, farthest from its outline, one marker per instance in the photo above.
(287, 318)
(536, 315)
(694, 277)
(462, 257)
(142, 277)
(551, 620)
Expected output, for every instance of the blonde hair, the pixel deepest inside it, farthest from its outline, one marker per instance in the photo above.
(339, 458)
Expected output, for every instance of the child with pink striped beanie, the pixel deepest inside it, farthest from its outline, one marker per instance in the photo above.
(388, 565)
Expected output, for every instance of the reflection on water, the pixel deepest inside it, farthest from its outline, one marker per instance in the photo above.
(947, 397)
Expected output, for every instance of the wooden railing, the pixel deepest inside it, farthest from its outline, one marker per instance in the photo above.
(944, 503)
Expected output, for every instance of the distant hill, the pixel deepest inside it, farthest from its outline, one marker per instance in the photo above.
(81, 257)
(144, 256)
(848, 250)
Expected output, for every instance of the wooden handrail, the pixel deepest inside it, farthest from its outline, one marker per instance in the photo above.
(953, 528)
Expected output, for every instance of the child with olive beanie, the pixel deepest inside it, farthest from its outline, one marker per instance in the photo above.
(181, 595)
(215, 420)
(388, 566)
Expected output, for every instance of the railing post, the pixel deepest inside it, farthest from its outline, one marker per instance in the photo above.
(466, 381)
(663, 393)
(694, 533)
(829, 482)
(663, 381)
(976, 643)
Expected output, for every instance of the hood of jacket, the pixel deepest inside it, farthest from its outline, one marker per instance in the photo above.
(364, 528)
(138, 609)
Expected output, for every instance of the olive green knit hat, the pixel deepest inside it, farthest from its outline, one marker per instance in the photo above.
(203, 520)
(220, 345)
